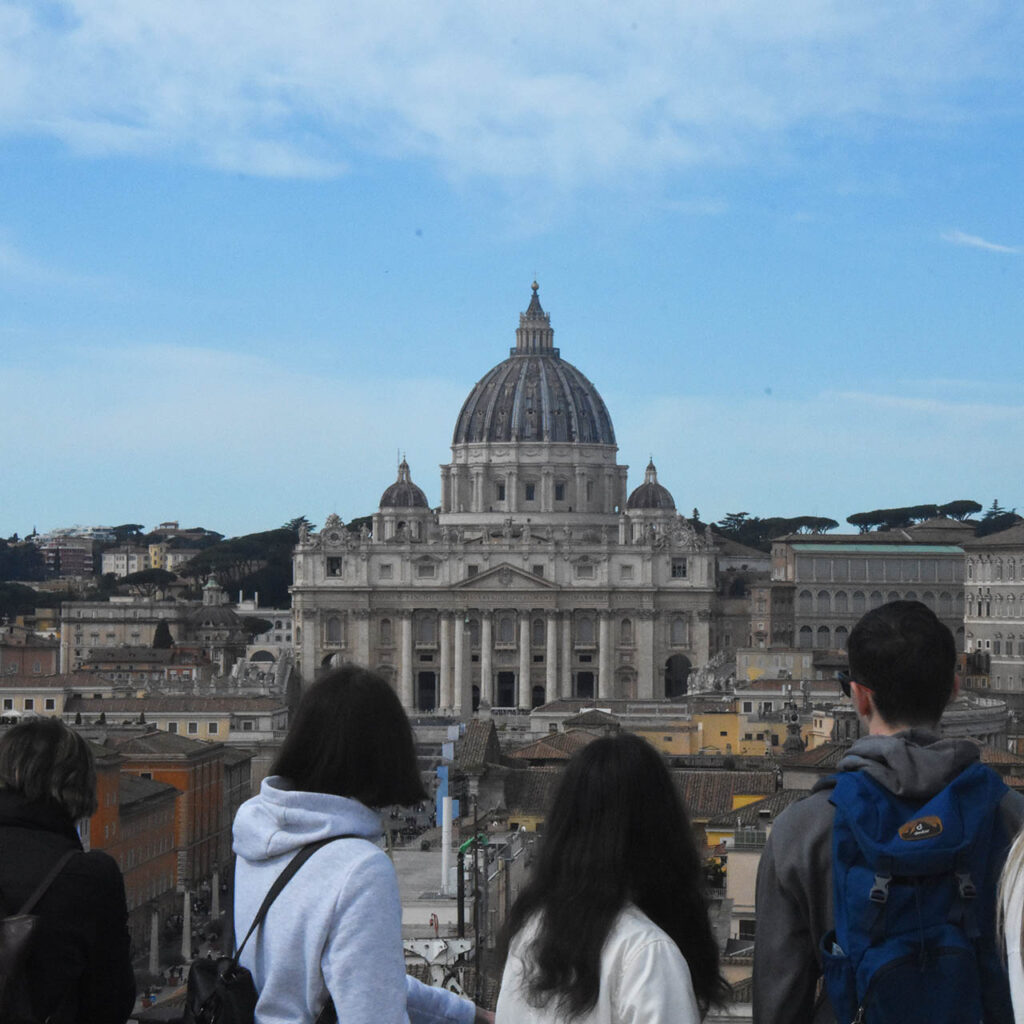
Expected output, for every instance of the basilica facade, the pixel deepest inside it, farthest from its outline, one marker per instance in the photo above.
(539, 577)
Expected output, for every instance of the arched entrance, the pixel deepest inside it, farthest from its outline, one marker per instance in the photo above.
(677, 671)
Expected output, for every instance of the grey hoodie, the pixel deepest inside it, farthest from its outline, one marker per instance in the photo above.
(337, 925)
(794, 878)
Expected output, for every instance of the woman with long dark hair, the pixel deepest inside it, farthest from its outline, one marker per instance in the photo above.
(335, 933)
(613, 924)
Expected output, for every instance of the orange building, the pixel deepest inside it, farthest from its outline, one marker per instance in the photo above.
(196, 770)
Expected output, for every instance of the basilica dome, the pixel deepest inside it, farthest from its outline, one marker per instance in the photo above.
(650, 494)
(534, 395)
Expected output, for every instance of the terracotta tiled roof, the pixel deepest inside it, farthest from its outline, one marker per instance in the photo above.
(750, 816)
(556, 747)
(530, 790)
(999, 756)
(827, 756)
(1011, 538)
(156, 742)
(21, 682)
(592, 718)
(707, 794)
(478, 746)
(133, 789)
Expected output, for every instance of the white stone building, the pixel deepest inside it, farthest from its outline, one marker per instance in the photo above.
(536, 578)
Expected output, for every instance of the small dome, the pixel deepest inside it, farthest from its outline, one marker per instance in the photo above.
(403, 493)
(650, 494)
(214, 617)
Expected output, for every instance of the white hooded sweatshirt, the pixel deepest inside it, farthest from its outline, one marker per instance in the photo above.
(337, 926)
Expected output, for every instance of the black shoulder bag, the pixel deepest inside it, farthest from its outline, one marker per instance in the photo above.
(17, 933)
(222, 991)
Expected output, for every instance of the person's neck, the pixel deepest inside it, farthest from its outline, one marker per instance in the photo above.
(878, 726)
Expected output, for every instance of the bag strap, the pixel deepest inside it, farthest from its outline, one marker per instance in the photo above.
(45, 884)
(283, 879)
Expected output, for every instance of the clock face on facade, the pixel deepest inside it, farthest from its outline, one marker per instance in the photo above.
(333, 535)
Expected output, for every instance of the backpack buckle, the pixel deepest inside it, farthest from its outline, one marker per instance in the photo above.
(880, 889)
(968, 890)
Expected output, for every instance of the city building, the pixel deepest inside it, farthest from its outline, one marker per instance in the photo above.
(539, 577)
(124, 560)
(823, 583)
(994, 620)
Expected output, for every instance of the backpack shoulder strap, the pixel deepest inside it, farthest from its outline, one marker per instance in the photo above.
(283, 879)
(47, 881)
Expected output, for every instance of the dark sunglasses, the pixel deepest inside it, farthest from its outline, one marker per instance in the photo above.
(843, 678)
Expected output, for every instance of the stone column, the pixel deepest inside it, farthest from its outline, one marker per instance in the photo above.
(565, 690)
(551, 658)
(405, 692)
(605, 673)
(581, 491)
(447, 500)
(445, 697)
(486, 650)
(525, 688)
(547, 490)
(512, 491)
(645, 664)
(459, 664)
(361, 648)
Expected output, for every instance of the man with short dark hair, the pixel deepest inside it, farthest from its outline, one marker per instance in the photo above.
(902, 675)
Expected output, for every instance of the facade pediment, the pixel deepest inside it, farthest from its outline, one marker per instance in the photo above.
(505, 577)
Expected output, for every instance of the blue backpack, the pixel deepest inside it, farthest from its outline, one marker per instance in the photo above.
(914, 904)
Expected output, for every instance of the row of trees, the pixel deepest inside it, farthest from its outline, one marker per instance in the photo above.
(757, 532)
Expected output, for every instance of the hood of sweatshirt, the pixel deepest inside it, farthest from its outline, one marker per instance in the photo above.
(280, 819)
(914, 764)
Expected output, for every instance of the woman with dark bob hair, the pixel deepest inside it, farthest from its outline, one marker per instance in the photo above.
(613, 925)
(79, 967)
(336, 930)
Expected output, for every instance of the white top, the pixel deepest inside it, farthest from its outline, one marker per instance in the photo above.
(1012, 908)
(644, 979)
(336, 928)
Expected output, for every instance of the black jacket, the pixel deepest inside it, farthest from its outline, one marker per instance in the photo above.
(81, 965)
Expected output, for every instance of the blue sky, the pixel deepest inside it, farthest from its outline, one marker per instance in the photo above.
(251, 251)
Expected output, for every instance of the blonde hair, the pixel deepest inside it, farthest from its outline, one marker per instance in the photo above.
(1009, 886)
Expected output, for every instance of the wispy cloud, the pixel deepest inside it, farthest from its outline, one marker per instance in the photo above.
(514, 91)
(974, 242)
(19, 267)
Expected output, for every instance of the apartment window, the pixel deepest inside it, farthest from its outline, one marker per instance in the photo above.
(585, 571)
(172, 726)
(247, 725)
(213, 728)
(679, 568)
(193, 728)
(538, 570)
(748, 707)
(559, 491)
(145, 775)
(30, 704)
(531, 492)
(472, 570)
(625, 572)
(500, 491)
(387, 571)
(8, 703)
(50, 704)
(425, 570)
(334, 566)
